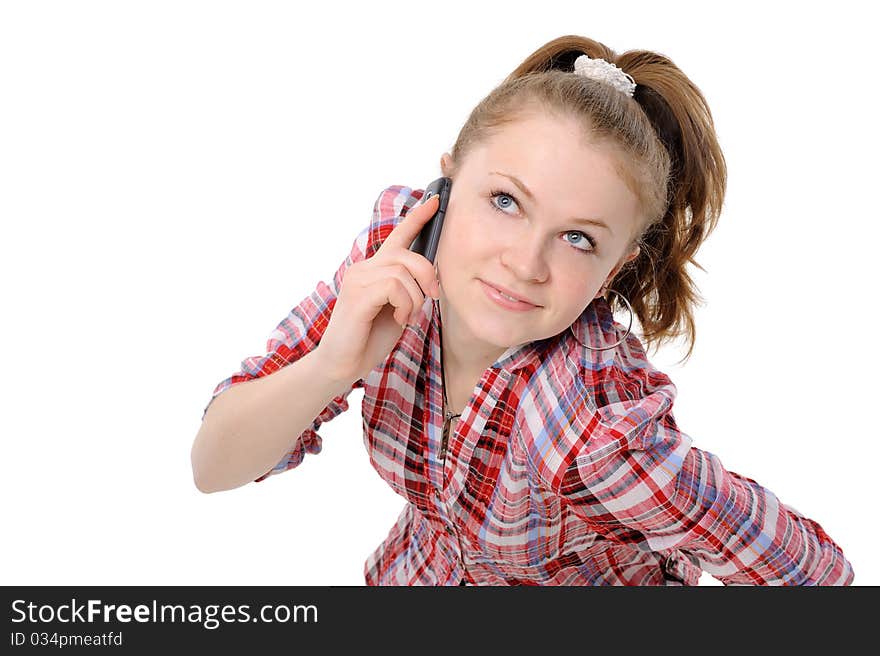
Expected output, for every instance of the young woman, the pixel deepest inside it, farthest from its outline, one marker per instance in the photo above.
(532, 438)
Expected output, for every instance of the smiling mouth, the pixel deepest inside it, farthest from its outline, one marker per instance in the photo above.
(510, 297)
(506, 301)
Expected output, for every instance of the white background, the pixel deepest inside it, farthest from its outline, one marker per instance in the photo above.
(175, 176)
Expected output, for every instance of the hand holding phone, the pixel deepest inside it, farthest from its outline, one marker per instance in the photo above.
(377, 298)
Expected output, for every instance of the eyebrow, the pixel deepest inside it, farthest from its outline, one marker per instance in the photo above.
(531, 197)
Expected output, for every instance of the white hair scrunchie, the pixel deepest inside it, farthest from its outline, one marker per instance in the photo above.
(599, 69)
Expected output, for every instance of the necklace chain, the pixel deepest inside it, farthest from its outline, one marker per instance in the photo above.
(447, 415)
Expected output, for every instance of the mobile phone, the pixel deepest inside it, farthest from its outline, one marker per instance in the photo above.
(429, 237)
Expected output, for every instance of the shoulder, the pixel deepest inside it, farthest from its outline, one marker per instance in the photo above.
(615, 376)
(619, 404)
(632, 376)
(601, 404)
(615, 394)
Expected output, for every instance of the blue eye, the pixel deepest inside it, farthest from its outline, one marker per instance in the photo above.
(580, 234)
(496, 193)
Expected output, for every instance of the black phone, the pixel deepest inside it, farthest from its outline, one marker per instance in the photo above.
(429, 237)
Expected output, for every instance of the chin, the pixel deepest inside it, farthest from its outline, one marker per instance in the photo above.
(496, 329)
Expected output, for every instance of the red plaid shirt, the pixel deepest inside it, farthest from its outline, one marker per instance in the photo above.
(566, 467)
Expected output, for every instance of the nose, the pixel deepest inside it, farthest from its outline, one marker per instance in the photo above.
(525, 258)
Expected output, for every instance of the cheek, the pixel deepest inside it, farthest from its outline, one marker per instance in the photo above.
(465, 235)
(574, 291)
(479, 232)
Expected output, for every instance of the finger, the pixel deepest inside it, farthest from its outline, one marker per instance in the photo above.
(407, 230)
(400, 292)
(422, 270)
(408, 306)
(417, 296)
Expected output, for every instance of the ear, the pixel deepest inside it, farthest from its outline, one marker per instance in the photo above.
(446, 164)
(631, 255)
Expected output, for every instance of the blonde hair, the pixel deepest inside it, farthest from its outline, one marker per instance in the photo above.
(664, 145)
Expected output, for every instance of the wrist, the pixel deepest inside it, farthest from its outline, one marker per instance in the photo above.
(336, 383)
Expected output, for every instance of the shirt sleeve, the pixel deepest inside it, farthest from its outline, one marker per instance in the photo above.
(637, 479)
(301, 330)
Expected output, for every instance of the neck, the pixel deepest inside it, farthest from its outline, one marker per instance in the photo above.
(463, 355)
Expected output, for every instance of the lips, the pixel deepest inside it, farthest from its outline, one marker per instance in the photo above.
(508, 292)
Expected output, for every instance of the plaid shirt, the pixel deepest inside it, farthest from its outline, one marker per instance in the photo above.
(566, 467)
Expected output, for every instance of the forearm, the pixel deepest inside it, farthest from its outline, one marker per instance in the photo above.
(250, 426)
(778, 545)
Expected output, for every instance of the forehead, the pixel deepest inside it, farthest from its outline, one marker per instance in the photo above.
(536, 144)
(569, 176)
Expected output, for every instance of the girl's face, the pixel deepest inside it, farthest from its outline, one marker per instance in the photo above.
(530, 242)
